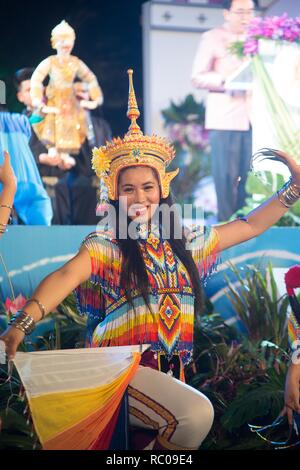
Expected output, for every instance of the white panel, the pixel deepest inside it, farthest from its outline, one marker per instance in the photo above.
(171, 34)
(185, 17)
(171, 56)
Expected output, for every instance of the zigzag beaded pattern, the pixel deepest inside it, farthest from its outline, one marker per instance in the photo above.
(169, 325)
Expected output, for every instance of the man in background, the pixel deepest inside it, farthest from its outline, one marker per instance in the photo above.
(227, 112)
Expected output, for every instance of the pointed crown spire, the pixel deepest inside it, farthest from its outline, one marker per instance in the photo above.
(133, 111)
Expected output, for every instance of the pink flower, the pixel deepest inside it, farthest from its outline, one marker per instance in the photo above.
(255, 27)
(196, 135)
(176, 133)
(292, 34)
(269, 28)
(251, 47)
(288, 35)
(12, 306)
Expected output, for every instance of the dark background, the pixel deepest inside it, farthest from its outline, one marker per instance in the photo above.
(108, 40)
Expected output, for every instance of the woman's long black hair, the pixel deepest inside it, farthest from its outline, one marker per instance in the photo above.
(133, 267)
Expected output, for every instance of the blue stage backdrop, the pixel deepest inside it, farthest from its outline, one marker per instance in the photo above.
(29, 253)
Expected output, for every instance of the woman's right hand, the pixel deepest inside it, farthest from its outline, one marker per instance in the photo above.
(12, 337)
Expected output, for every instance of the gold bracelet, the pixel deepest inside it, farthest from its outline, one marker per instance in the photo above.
(40, 305)
(289, 194)
(23, 321)
(7, 206)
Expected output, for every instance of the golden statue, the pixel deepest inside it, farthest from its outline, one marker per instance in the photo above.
(64, 128)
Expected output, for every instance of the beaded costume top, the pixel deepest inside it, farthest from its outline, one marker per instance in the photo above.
(169, 327)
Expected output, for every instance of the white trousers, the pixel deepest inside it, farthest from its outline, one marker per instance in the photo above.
(181, 414)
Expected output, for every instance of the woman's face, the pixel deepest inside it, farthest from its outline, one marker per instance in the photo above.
(141, 189)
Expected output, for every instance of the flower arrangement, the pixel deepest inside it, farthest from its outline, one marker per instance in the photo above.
(184, 123)
(188, 134)
(276, 28)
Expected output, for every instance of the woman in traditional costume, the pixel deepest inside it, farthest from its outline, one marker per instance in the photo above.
(144, 287)
(64, 128)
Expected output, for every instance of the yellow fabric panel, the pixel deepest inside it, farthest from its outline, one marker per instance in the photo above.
(54, 413)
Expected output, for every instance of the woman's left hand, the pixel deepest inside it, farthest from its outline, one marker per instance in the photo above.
(292, 165)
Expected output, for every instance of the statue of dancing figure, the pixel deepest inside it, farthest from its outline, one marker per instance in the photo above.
(63, 129)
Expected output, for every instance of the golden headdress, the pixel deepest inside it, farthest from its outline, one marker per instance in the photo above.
(135, 149)
(62, 30)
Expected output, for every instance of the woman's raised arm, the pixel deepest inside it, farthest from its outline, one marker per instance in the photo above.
(264, 216)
